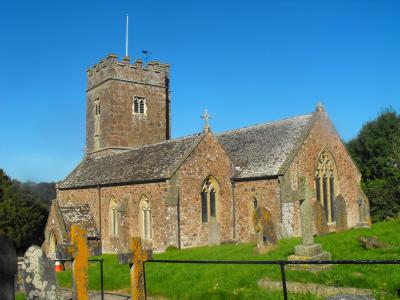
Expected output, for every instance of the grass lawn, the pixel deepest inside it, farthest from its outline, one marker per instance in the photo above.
(178, 281)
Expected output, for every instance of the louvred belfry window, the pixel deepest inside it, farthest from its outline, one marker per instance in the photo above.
(139, 106)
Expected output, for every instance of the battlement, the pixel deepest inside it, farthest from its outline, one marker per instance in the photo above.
(153, 73)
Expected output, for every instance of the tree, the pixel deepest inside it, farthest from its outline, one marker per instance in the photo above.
(376, 150)
(22, 215)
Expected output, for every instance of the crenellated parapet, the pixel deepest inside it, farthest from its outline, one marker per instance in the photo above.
(153, 73)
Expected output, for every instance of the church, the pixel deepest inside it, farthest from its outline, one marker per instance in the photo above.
(202, 189)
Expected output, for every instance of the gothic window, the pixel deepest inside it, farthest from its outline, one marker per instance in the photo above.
(139, 106)
(209, 199)
(325, 183)
(145, 218)
(53, 242)
(114, 216)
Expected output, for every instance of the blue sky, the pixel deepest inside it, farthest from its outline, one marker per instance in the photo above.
(248, 62)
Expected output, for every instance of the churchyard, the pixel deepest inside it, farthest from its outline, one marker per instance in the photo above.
(178, 281)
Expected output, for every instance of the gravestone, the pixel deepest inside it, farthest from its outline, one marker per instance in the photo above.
(308, 251)
(321, 226)
(8, 268)
(362, 214)
(214, 237)
(39, 276)
(139, 255)
(265, 230)
(340, 214)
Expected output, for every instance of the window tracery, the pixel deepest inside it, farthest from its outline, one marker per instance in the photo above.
(209, 195)
(145, 218)
(325, 178)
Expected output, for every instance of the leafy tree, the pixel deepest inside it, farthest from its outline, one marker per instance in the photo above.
(376, 150)
(22, 214)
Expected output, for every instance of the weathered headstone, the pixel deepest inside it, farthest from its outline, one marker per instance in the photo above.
(8, 268)
(340, 213)
(362, 213)
(321, 226)
(308, 251)
(214, 237)
(138, 291)
(80, 253)
(265, 230)
(38, 275)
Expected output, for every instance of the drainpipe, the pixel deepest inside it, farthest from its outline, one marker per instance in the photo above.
(233, 210)
(100, 231)
(178, 213)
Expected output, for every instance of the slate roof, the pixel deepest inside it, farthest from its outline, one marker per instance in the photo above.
(259, 151)
(79, 214)
(152, 162)
(262, 150)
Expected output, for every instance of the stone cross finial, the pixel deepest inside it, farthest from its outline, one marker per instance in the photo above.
(319, 107)
(206, 117)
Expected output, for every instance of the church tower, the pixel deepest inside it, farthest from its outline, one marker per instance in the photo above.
(127, 105)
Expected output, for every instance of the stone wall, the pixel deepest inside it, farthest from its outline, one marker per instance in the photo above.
(267, 193)
(128, 198)
(208, 158)
(115, 84)
(323, 134)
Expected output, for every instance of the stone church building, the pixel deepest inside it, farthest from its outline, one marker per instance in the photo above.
(135, 180)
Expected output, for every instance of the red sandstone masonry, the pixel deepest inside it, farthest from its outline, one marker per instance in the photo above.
(323, 134)
(209, 158)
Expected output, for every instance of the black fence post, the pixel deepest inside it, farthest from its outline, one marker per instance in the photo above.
(283, 274)
(101, 278)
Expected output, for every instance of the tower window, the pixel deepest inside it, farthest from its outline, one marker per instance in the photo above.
(139, 106)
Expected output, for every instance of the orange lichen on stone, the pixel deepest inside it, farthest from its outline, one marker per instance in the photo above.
(137, 272)
(80, 252)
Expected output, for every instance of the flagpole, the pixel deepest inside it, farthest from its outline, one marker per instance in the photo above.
(126, 37)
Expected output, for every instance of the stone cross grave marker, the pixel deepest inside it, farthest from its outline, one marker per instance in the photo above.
(38, 276)
(308, 250)
(80, 252)
(321, 226)
(137, 273)
(265, 230)
(340, 214)
(214, 238)
(8, 268)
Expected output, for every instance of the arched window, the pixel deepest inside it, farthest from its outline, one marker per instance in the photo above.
(209, 198)
(114, 216)
(52, 242)
(145, 218)
(325, 181)
(139, 105)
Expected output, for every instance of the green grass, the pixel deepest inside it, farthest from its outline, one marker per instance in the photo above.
(178, 281)
(20, 296)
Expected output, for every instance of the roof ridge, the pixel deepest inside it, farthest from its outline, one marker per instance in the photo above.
(264, 124)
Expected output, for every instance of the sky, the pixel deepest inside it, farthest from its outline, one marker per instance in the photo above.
(248, 62)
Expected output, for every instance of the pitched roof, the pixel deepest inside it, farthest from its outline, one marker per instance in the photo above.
(152, 162)
(79, 214)
(262, 150)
